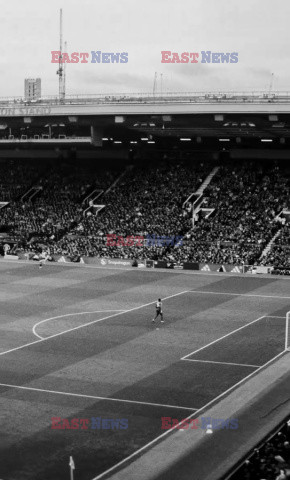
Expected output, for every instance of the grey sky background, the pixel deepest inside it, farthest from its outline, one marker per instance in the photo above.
(257, 29)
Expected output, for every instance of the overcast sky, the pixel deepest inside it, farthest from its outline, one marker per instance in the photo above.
(257, 29)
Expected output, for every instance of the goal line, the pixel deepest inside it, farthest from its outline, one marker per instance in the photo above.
(287, 332)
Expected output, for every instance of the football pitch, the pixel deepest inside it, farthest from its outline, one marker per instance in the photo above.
(79, 343)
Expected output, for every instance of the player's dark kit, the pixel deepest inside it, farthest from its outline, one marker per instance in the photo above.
(158, 311)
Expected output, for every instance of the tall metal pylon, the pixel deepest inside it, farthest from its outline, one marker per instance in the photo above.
(60, 71)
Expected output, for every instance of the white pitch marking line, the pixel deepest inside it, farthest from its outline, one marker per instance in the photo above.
(55, 392)
(238, 294)
(221, 338)
(149, 444)
(89, 323)
(155, 270)
(220, 363)
(68, 315)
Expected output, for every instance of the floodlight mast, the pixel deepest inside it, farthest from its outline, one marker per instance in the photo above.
(60, 72)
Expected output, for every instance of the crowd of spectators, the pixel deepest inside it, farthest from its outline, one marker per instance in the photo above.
(57, 205)
(150, 199)
(245, 198)
(16, 176)
(279, 254)
(271, 461)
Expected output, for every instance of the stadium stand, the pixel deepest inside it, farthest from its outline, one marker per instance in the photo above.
(271, 461)
(17, 176)
(147, 201)
(244, 198)
(246, 202)
(279, 254)
(57, 206)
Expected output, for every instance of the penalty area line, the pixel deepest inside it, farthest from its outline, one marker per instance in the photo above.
(221, 338)
(95, 397)
(194, 414)
(254, 295)
(220, 363)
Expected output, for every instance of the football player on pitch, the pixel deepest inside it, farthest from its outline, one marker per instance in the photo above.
(158, 311)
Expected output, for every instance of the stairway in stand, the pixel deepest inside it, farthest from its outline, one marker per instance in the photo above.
(206, 181)
(269, 245)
